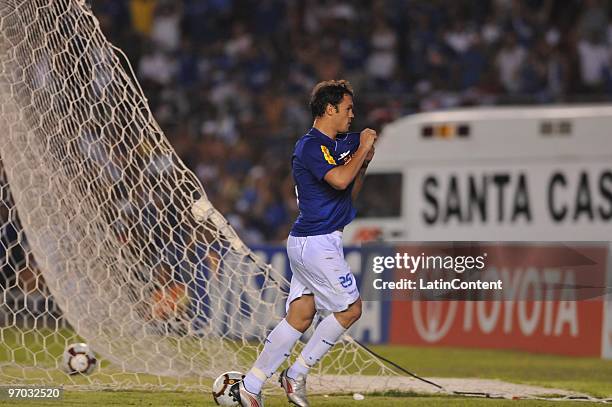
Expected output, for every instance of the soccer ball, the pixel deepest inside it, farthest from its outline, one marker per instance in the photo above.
(78, 358)
(221, 389)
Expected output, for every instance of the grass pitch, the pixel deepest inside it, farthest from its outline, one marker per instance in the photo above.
(585, 375)
(171, 399)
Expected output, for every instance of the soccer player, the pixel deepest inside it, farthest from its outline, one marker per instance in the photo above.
(328, 168)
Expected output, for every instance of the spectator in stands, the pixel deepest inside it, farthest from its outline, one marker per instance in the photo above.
(594, 56)
(509, 61)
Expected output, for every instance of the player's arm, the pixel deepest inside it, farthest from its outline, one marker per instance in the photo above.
(361, 175)
(340, 177)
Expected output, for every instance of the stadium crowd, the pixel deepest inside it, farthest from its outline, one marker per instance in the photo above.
(228, 80)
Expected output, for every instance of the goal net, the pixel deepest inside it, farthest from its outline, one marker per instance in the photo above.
(106, 236)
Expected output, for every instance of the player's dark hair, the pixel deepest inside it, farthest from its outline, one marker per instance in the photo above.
(328, 92)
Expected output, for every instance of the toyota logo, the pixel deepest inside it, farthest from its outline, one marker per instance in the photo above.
(433, 319)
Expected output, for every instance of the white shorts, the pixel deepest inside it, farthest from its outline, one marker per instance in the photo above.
(319, 268)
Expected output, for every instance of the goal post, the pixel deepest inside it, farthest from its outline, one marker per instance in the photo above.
(105, 234)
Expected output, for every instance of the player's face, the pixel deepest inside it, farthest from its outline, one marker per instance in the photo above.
(345, 114)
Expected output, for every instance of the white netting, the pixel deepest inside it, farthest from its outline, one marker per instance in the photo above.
(96, 218)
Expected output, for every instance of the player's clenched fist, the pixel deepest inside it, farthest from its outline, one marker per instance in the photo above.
(367, 138)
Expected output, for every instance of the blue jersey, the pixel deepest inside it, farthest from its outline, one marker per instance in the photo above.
(323, 209)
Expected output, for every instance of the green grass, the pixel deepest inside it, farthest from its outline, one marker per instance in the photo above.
(170, 399)
(585, 375)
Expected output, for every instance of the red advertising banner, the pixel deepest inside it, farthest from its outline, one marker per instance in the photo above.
(564, 324)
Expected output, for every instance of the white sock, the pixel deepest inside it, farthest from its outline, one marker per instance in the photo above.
(277, 348)
(323, 338)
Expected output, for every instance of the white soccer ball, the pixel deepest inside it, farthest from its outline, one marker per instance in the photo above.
(222, 386)
(79, 358)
